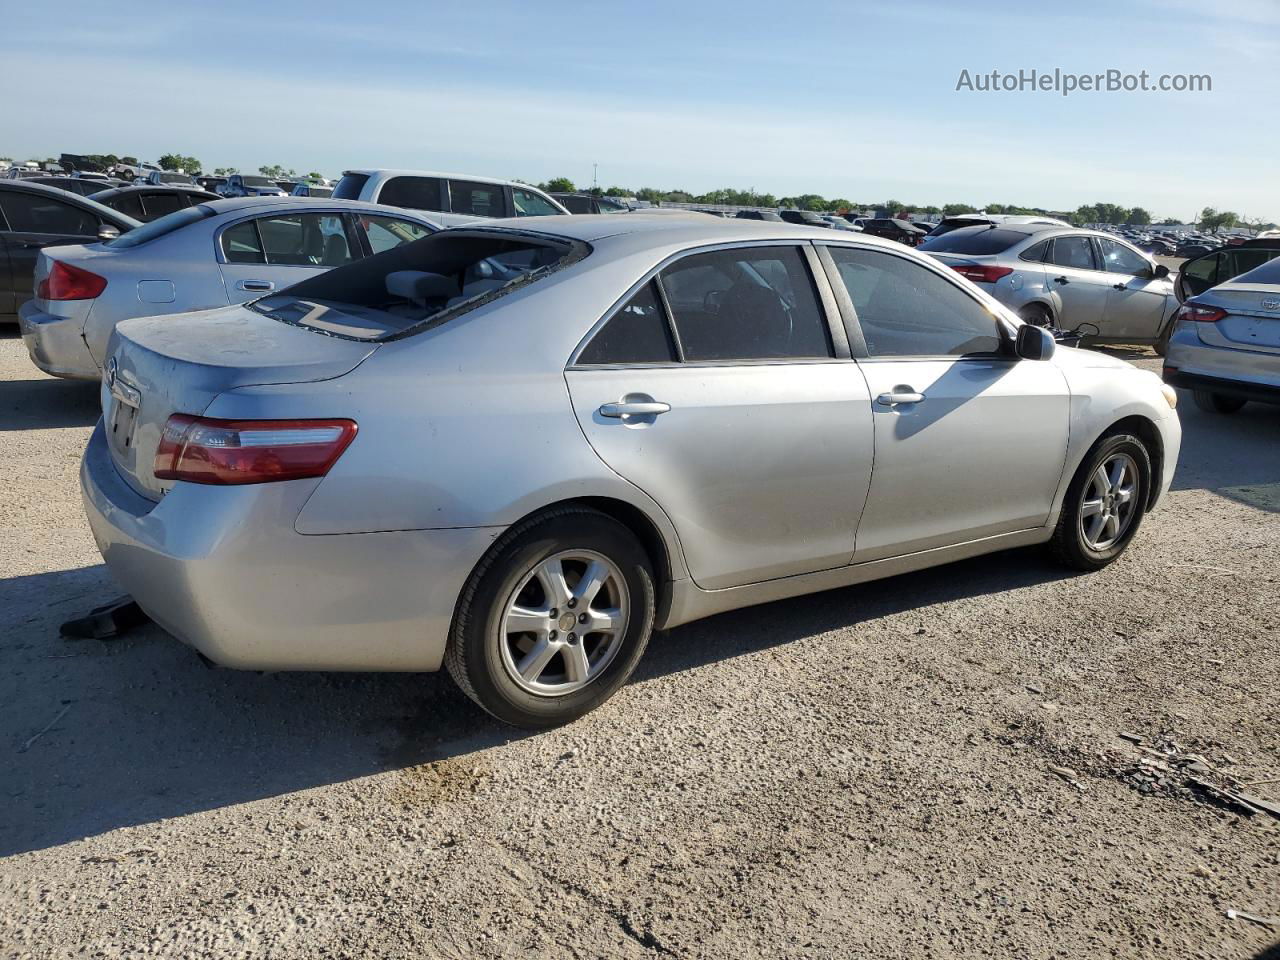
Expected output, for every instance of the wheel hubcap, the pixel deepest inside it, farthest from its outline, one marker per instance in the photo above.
(1109, 502)
(564, 623)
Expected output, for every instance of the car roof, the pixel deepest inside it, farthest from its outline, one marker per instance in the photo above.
(151, 188)
(389, 172)
(237, 204)
(669, 228)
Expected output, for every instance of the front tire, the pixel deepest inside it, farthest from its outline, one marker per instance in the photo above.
(554, 619)
(1105, 503)
(1211, 402)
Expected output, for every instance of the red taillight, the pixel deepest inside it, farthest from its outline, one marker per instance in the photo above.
(1199, 314)
(204, 450)
(981, 274)
(65, 282)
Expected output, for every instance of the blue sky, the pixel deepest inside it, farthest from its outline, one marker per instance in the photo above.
(848, 99)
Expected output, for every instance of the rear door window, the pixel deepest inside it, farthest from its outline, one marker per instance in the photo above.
(531, 204)
(637, 333)
(415, 193)
(130, 205)
(156, 205)
(37, 213)
(755, 303)
(387, 233)
(477, 199)
(304, 240)
(1074, 252)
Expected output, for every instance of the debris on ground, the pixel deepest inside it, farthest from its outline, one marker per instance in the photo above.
(1171, 769)
(1253, 918)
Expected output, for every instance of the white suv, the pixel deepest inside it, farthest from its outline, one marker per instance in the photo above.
(452, 198)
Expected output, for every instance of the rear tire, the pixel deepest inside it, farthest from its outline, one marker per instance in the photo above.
(1036, 315)
(1113, 481)
(1211, 402)
(583, 585)
(1162, 342)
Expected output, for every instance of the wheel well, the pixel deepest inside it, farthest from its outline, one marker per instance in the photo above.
(635, 520)
(1145, 431)
(1040, 305)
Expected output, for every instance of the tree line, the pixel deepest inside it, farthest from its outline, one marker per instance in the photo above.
(1108, 213)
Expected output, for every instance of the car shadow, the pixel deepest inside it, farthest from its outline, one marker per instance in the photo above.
(48, 402)
(112, 734)
(1236, 456)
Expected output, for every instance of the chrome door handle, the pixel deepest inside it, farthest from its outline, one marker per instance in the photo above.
(899, 395)
(256, 285)
(634, 408)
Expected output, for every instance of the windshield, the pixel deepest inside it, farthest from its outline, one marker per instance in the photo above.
(257, 182)
(1268, 273)
(175, 178)
(158, 228)
(976, 241)
(418, 285)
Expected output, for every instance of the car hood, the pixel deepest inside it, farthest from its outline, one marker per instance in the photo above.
(1075, 358)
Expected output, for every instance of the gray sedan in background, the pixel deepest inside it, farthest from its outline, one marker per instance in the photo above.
(1065, 277)
(207, 255)
(1226, 347)
(553, 436)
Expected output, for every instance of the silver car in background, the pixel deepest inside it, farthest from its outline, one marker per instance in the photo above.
(208, 255)
(553, 436)
(450, 198)
(1226, 347)
(1065, 277)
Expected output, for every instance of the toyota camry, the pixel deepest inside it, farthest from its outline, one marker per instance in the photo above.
(516, 449)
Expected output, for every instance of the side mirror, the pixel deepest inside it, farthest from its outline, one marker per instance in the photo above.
(1161, 271)
(108, 232)
(1033, 343)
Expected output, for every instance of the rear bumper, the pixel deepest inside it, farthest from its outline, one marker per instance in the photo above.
(1195, 365)
(56, 344)
(223, 570)
(1263, 393)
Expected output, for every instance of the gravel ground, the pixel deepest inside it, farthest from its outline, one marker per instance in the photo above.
(866, 772)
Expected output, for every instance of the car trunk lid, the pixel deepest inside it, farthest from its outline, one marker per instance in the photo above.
(159, 366)
(1252, 321)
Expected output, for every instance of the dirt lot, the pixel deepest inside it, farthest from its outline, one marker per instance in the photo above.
(867, 772)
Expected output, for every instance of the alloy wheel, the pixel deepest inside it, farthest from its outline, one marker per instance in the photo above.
(564, 623)
(1109, 504)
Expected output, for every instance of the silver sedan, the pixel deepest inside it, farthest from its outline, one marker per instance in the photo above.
(210, 254)
(1066, 277)
(514, 450)
(1226, 348)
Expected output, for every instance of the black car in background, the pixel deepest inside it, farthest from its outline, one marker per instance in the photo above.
(146, 203)
(81, 186)
(901, 230)
(805, 218)
(758, 215)
(588, 203)
(33, 216)
(1217, 266)
(211, 183)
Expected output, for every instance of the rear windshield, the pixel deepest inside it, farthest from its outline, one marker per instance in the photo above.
(349, 186)
(977, 241)
(257, 182)
(419, 285)
(955, 223)
(158, 228)
(175, 178)
(1268, 273)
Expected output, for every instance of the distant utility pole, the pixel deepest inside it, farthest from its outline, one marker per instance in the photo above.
(595, 167)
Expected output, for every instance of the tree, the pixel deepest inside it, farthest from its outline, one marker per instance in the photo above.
(618, 192)
(955, 209)
(559, 185)
(1139, 217)
(1214, 220)
(277, 172)
(225, 171)
(894, 207)
(176, 161)
(315, 176)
